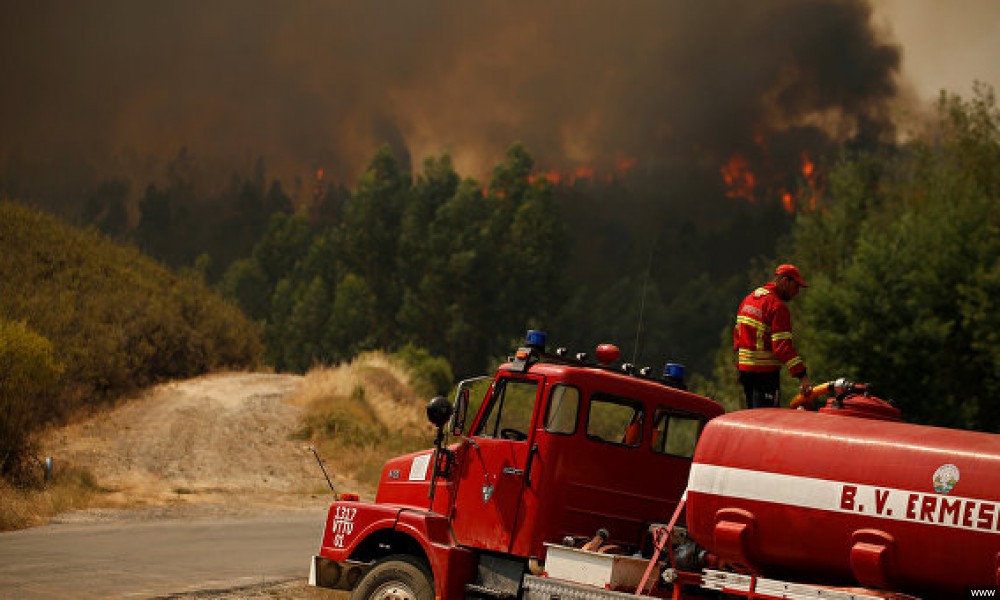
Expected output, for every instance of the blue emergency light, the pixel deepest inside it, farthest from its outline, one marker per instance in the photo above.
(674, 371)
(535, 339)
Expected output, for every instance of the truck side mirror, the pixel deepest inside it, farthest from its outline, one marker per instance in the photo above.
(438, 411)
(461, 406)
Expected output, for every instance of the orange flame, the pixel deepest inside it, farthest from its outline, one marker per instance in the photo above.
(624, 164)
(318, 191)
(553, 177)
(809, 193)
(586, 173)
(739, 179)
(808, 167)
(788, 201)
(582, 172)
(813, 185)
(741, 182)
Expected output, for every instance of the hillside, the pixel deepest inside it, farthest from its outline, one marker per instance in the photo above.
(85, 320)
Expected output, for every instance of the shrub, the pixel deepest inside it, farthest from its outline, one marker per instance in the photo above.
(26, 401)
(431, 375)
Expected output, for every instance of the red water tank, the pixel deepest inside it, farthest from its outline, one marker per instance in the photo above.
(836, 499)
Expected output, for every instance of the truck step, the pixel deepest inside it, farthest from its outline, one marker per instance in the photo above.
(475, 590)
(544, 588)
(734, 583)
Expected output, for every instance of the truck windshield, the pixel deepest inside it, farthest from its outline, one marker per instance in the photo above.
(509, 412)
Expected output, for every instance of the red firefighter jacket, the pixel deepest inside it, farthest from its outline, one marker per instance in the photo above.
(763, 335)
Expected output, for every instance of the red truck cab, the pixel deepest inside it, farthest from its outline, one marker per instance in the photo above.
(557, 448)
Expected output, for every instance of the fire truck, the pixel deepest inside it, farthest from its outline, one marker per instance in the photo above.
(564, 477)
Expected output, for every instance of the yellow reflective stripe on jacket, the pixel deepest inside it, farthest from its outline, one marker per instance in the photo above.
(760, 358)
(762, 329)
(752, 322)
(755, 354)
(781, 335)
(793, 362)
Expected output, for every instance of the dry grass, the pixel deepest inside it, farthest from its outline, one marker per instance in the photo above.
(71, 488)
(389, 394)
(361, 414)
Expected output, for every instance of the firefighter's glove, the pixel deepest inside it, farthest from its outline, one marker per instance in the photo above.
(805, 386)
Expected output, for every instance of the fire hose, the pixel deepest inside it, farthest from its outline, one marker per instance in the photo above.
(838, 386)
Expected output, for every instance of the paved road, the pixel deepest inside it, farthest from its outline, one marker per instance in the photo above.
(155, 559)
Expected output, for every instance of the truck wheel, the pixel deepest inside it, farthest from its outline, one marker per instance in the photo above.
(396, 577)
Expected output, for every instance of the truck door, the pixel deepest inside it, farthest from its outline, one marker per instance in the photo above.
(491, 476)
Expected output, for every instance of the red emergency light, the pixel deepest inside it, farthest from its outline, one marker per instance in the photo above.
(607, 353)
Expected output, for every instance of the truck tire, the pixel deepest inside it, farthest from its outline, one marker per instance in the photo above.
(396, 577)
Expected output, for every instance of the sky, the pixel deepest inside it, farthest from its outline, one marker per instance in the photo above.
(310, 85)
(946, 45)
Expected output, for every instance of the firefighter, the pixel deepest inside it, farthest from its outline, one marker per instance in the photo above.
(763, 339)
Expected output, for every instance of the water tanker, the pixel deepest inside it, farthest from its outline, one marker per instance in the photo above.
(849, 496)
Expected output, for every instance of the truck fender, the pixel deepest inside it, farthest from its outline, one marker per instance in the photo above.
(358, 534)
(349, 524)
(450, 564)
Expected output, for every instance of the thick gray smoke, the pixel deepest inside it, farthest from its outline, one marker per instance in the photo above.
(311, 84)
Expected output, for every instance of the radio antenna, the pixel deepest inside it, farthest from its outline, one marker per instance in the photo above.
(321, 466)
(642, 302)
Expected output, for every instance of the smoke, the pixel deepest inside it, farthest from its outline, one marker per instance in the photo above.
(311, 84)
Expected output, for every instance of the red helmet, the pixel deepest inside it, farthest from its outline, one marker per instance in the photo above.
(792, 272)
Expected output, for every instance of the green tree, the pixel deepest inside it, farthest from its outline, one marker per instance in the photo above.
(534, 251)
(511, 178)
(441, 310)
(906, 301)
(107, 208)
(245, 282)
(352, 323)
(156, 220)
(276, 340)
(526, 251)
(370, 237)
(287, 239)
(270, 285)
(432, 188)
(246, 209)
(308, 319)
(275, 201)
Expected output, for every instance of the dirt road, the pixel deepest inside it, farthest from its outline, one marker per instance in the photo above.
(215, 439)
(210, 496)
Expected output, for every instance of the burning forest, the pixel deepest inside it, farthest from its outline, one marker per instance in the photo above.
(749, 92)
(675, 135)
